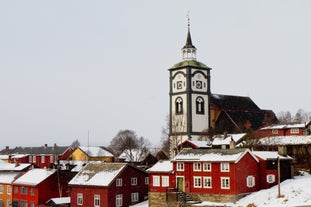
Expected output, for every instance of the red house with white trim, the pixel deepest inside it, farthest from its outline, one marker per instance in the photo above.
(108, 184)
(36, 187)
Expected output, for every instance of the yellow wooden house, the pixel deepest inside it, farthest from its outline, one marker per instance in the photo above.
(91, 154)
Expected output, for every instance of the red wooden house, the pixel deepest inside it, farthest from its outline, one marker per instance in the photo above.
(293, 129)
(41, 157)
(108, 184)
(36, 187)
(268, 174)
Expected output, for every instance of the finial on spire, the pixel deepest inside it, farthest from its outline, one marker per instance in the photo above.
(188, 18)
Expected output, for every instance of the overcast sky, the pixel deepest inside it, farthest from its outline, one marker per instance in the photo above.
(72, 67)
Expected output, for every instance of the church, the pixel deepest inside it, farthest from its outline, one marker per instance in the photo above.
(195, 113)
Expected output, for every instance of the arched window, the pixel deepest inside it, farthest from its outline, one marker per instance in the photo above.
(179, 105)
(199, 103)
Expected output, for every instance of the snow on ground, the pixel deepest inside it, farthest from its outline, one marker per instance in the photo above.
(294, 192)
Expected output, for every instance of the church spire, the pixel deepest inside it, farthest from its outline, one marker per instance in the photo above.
(189, 50)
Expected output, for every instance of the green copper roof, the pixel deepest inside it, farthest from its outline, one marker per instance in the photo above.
(191, 63)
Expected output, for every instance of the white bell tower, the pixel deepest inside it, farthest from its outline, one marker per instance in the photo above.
(189, 97)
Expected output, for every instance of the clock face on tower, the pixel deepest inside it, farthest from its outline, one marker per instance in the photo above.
(179, 84)
(198, 84)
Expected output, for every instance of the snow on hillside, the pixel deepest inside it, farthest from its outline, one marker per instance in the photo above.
(294, 192)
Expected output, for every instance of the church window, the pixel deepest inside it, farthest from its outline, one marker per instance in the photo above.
(179, 105)
(199, 105)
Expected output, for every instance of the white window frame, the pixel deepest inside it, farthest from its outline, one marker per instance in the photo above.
(270, 178)
(165, 181)
(96, 200)
(9, 190)
(134, 181)
(34, 158)
(8, 202)
(134, 197)
(224, 182)
(197, 166)
(250, 181)
(204, 182)
(32, 204)
(119, 200)
(180, 166)
(51, 158)
(207, 167)
(23, 190)
(224, 167)
(275, 131)
(42, 159)
(32, 191)
(119, 182)
(1, 189)
(156, 180)
(79, 199)
(294, 130)
(30, 159)
(197, 182)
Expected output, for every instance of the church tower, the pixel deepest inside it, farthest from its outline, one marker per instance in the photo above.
(189, 97)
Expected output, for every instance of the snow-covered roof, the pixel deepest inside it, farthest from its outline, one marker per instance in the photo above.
(284, 126)
(226, 140)
(13, 166)
(96, 152)
(59, 201)
(199, 144)
(285, 140)
(269, 155)
(3, 157)
(34, 176)
(162, 166)
(8, 177)
(98, 174)
(17, 156)
(212, 155)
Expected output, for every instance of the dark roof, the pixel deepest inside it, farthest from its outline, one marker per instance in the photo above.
(210, 151)
(234, 103)
(189, 41)
(57, 150)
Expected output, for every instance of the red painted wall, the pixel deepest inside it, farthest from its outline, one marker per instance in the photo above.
(172, 182)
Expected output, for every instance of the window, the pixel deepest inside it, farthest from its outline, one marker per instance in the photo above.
(30, 159)
(275, 131)
(196, 166)
(1, 189)
(8, 203)
(34, 158)
(119, 200)
(207, 167)
(9, 190)
(197, 182)
(165, 181)
(32, 204)
(1, 203)
(156, 180)
(146, 180)
(180, 166)
(15, 189)
(270, 178)
(42, 159)
(250, 181)
(207, 182)
(96, 200)
(179, 105)
(51, 159)
(23, 203)
(119, 182)
(24, 190)
(294, 131)
(225, 183)
(199, 103)
(80, 199)
(32, 191)
(133, 181)
(134, 197)
(224, 167)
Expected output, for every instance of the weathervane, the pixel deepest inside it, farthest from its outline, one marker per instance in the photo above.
(188, 18)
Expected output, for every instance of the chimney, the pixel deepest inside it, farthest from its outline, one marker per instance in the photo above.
(7, 147)
(55, 145)
(232, 144)
(45, 145)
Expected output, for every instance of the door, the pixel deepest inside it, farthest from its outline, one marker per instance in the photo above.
(180, 184)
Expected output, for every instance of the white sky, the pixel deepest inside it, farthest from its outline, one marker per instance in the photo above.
(69, 67)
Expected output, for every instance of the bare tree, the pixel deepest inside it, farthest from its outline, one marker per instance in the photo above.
(285, 117)
(127, 141)
(75, 144)
(303, 116)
